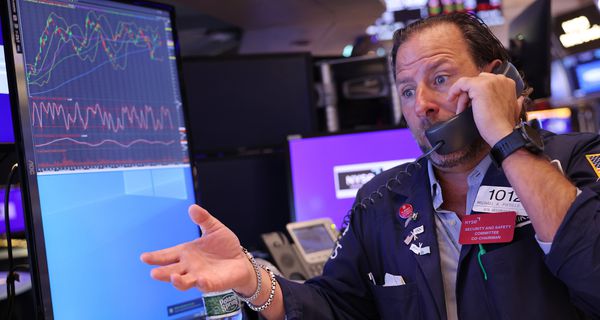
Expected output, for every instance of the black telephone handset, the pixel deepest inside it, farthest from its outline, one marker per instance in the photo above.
(460, 130)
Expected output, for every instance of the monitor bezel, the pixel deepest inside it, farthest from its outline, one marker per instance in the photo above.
(25, 151)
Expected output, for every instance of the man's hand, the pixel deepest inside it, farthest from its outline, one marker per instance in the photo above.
(495, 105)
(213, 262)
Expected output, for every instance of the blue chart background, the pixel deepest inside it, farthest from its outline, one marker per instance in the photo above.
(95, 234)
(134, 78)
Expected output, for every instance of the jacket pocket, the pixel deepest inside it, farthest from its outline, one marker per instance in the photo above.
(397, 302)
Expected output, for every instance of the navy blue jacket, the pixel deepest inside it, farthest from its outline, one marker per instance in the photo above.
(523, 282)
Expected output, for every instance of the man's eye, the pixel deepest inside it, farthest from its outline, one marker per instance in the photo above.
(408, 93)
(441, 79)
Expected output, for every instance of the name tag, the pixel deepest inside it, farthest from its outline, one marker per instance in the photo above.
(498, 199)
(487, 228)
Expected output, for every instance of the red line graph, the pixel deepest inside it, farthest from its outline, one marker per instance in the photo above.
(128, 117)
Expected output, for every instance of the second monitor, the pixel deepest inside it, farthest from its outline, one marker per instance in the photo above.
(327, 171)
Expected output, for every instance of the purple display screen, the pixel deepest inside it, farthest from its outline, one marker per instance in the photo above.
(6, 128)
(327, 171)
(15, 210)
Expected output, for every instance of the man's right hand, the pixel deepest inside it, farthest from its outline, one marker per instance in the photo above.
(213, 262)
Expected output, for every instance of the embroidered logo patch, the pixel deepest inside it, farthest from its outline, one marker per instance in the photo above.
(594, 160)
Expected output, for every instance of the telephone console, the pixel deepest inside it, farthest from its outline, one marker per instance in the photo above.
(313, 242)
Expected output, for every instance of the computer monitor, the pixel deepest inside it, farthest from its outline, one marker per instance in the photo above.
(588, 77)
(529, 39)
(104, 156)
(559, 120)
(249, 101)
(490, 11)
(363, 93)
(15, 211)
(6, 126)
(327, 171)
(258, 181)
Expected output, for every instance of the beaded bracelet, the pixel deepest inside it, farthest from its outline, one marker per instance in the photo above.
(258, 278)
(271, 294)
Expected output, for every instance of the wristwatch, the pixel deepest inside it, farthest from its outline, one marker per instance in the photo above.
(523, 136)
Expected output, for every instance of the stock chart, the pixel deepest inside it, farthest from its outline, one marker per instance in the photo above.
(103, 88)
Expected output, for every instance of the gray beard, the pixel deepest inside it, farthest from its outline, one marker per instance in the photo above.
(454, 159)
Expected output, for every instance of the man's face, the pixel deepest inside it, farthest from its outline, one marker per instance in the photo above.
(427, 65)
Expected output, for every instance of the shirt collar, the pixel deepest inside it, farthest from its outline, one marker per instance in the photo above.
(474, 180)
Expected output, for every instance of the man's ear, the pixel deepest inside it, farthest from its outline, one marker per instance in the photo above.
(492, 65)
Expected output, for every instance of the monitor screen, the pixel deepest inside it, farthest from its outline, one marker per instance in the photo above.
(363, 92)
(555, 120)
(251, 178)
(105, 162)
(251, 101)
(327, 171)
(490, 11)
(314, 238)
(15, 210)
(6, 126)
(588, 77)
(581, 73)
(529, 37)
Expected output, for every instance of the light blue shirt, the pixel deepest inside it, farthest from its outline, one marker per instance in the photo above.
(447, 226)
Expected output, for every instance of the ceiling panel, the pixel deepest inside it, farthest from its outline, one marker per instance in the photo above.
(322, 27)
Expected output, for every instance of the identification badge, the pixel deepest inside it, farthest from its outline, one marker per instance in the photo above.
(488, 228)
(498, 199)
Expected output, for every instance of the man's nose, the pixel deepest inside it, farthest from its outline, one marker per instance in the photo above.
(426, 103)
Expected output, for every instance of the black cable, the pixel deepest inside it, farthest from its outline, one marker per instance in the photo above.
(370, 199)
(12, 275)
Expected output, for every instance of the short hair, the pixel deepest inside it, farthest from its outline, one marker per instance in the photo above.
(484, 47)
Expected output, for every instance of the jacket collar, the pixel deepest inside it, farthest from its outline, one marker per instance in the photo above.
(416, 173)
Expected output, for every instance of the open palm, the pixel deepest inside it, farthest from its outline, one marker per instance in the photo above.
(213, 262)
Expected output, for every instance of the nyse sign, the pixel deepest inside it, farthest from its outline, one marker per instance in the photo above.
(349, 178)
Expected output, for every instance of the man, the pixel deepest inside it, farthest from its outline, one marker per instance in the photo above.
(400, 257)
